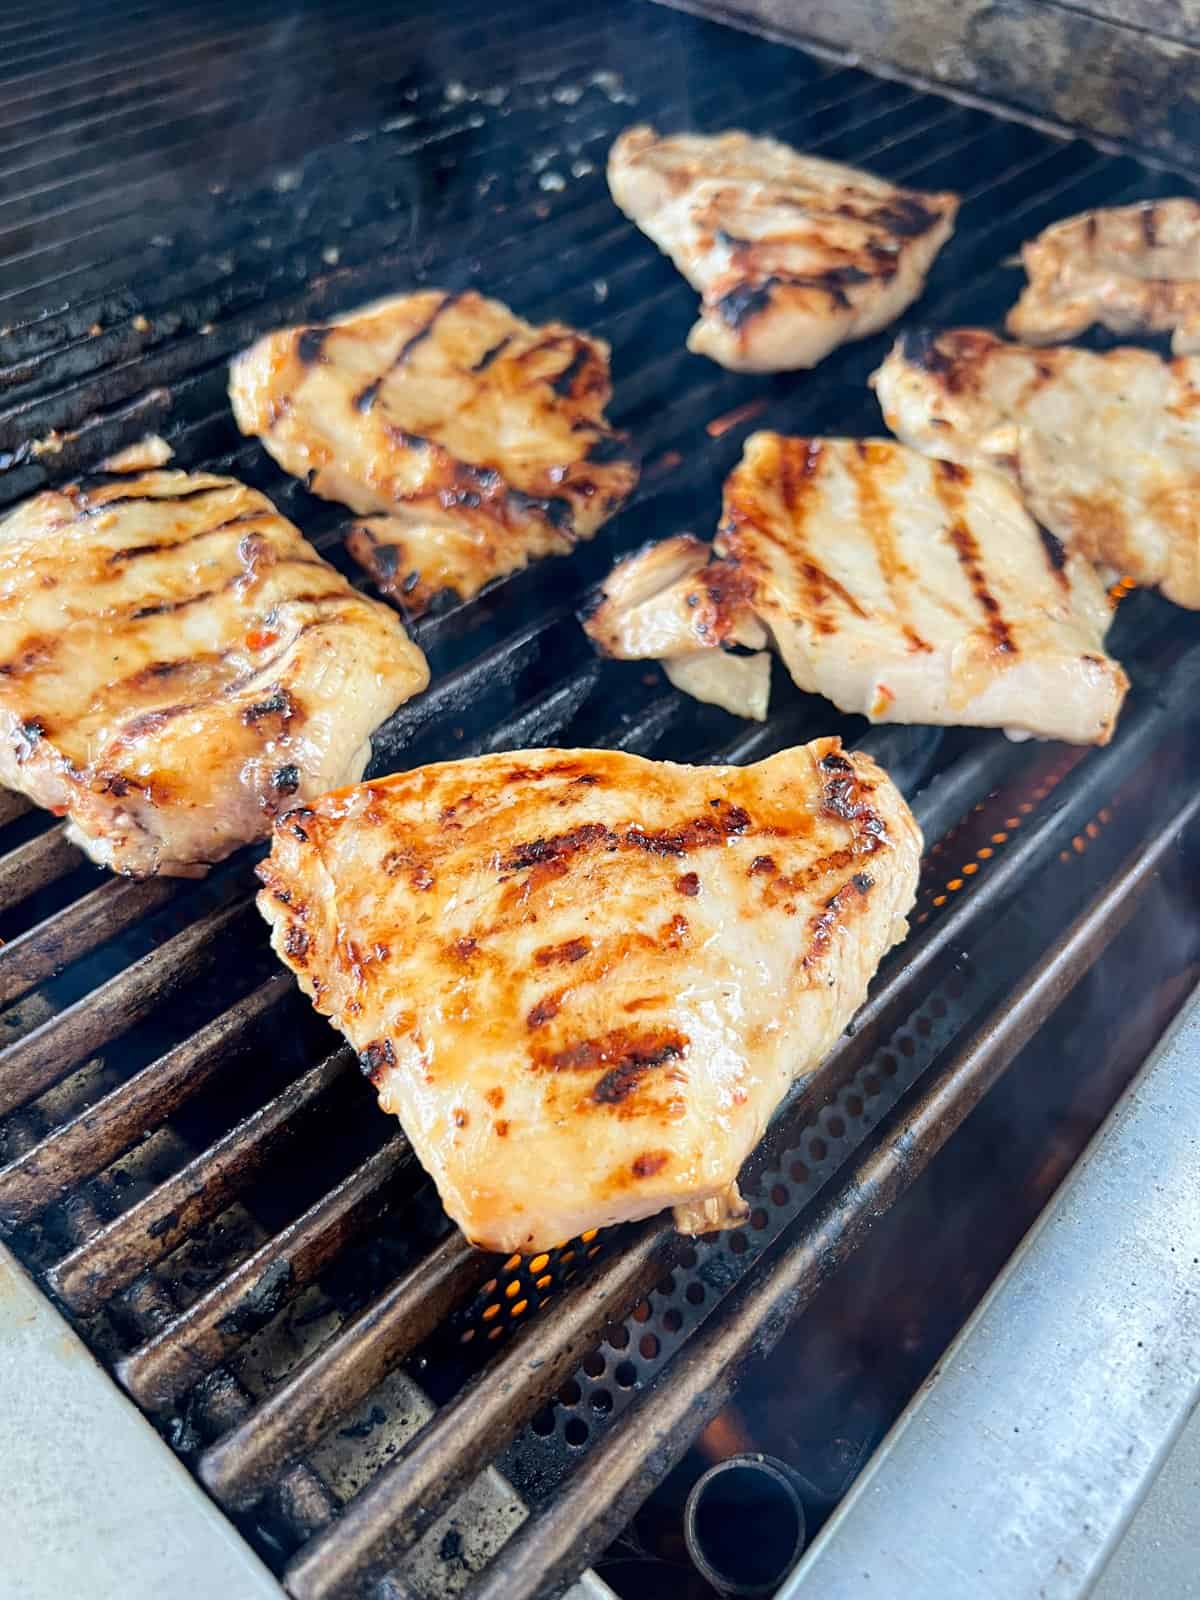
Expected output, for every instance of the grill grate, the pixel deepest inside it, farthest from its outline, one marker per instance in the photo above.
(187, 1159)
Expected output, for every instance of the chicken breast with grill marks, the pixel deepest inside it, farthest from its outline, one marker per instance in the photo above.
(906, 589)
(1133, 269)
(584, 981)
(792, 255)
(1104, 449)
(178, 666)
(469, 441)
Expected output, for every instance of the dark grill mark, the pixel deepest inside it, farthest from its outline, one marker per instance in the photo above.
(827, 919)
(92, 510)
(904, 216)
(746, 301)
(553, 848)
(822, 585)
(385, 558)
(948, 478)
(285, 780)
(562, 954)
(921, 347)
(378, 1055)
(653, 1161)
(311, 344)
(28, 735)
(627, 1056)
(490, 354)
(366, 396)
(845, 797)
(544, 1011)
(618, 1083)
(556, 510)
(135, 550)
(295, 942)
(165, 607)
(295, 824)
(717, 825)
(725, 821)
(277, 704)
(411, 343)
(565, 381)
(1149, 222)
(1090, 227)
(688, 884)
(1056, 554)
(762, 864)
(967, 551)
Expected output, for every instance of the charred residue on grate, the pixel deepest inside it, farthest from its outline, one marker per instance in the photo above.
(190, 1160)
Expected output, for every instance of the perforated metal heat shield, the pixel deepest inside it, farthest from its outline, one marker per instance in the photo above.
(191, 1164)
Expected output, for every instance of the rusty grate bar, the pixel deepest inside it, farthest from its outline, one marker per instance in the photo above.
(153, 1227)
(208, 1332)
(242, 1465)
(79, 928)
(95, 1136)
(35, 865)
(48, 1053)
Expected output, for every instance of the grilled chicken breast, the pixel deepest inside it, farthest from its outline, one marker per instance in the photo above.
(177, 666)
(469, 441)
(1104, 449)
(1133, 269)
(792, 255)
(583, 980)
(907, 589)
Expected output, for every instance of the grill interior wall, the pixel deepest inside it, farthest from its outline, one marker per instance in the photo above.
(188, 1159)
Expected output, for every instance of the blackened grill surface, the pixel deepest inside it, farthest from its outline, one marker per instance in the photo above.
(188, 1158)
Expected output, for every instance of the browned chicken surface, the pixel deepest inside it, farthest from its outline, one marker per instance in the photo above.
(584, 981)
(906, 589)
(1132, 269)
(469, 441)
(792, 255)
(1103, 449)
(178, 666)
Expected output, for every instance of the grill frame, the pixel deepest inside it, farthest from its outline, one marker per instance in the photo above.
(516, 652)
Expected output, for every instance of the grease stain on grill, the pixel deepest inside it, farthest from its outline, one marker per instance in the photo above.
(260, 1303)
(375, 1418)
